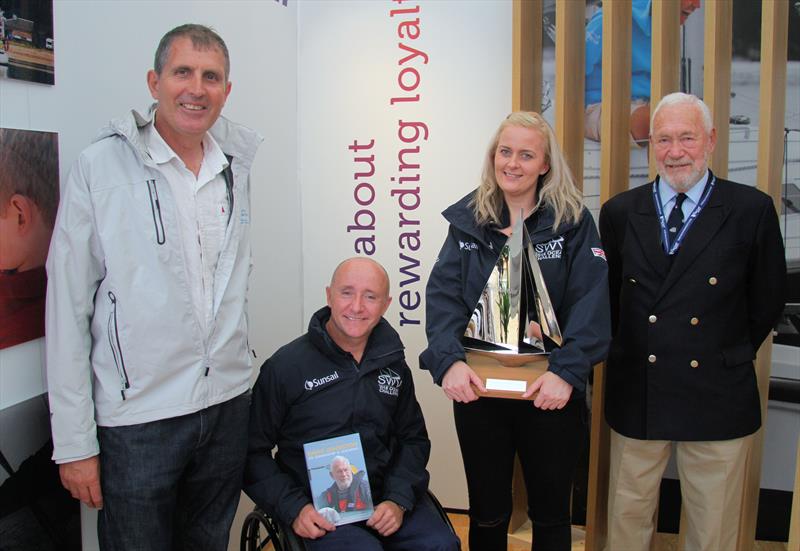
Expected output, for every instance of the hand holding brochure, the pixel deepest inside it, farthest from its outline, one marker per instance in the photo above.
(337, 474)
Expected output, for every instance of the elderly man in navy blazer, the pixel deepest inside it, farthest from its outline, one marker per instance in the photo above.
(697, 275)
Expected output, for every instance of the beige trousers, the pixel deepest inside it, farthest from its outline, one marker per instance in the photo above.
(711, 478)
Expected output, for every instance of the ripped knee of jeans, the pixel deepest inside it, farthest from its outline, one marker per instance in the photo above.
(490, 523)
(551, 523)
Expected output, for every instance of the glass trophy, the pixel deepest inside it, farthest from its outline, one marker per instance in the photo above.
(514, 323)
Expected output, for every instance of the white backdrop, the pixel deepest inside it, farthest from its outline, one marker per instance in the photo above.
(350, 65)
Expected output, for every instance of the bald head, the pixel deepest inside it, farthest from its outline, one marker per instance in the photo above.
(361, 263)
(358, 296)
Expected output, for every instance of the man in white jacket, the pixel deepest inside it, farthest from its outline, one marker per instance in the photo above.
(147, 356)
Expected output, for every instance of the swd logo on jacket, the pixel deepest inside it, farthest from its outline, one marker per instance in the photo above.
(314, 383)
(389, 382)
(549, 250)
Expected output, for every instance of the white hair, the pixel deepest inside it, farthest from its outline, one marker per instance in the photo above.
(338, 459)
(679, 98)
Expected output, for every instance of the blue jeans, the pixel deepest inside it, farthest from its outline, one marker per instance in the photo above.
(422, 530)
(173, 483)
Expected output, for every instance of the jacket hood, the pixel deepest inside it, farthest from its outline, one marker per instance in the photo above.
(540, 224)
(234, 139)
(383, 347)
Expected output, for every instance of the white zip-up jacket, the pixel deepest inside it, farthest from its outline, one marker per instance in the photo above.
(123, 342)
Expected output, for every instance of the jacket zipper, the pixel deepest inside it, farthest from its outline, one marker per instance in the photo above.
(113, 339)
(155, 206)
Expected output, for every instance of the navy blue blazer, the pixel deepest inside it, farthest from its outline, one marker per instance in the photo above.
(686, 330)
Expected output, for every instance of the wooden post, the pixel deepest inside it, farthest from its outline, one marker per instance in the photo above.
(772, 99)
(794, 523)
(526, 55)
(614, 169)
(717, 78)
(665, 73)
(526, 95)
(570, 83)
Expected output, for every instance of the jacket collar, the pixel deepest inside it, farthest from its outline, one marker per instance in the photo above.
(540, 224)
(644, 222)
(235, 140)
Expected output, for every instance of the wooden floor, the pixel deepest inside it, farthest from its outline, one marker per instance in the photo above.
(521, 540)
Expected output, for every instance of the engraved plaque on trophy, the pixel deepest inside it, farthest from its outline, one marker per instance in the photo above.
(513, 325)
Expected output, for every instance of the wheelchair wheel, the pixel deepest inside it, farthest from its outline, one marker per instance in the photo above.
(257, 532)
(442, 513)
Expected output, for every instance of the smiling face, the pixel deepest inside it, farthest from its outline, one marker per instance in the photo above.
(519, 159)
(341, 473)
(191, 91)
(358, 296)
(681, 144)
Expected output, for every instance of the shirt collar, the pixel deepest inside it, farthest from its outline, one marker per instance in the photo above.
(161, 152)
(667, 194)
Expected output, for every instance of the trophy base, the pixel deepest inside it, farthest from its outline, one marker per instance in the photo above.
(506, 375)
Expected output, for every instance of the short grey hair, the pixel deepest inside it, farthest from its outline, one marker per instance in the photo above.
(29, 167)
(679, 98)
(202, 37)
(338, 459)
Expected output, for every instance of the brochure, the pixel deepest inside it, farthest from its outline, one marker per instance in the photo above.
(337, 474)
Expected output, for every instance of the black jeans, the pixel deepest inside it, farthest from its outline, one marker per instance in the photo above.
(173, 484)
(490, 432)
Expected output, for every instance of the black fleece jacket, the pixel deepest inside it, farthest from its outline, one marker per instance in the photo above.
(574, 269)
(310, 390)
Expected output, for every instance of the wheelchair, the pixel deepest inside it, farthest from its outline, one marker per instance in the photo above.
(259, 530)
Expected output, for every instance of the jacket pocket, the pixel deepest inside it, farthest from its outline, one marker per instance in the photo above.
(738, 354)
(155, 206)
(116, 347)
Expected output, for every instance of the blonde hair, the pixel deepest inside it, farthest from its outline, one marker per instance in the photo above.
(556, 187)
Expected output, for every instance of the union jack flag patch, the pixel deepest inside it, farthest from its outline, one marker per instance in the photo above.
(599, 253)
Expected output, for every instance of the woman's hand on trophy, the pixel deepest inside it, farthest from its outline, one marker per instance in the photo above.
(554, 392)
(534, 331)
(458, 380)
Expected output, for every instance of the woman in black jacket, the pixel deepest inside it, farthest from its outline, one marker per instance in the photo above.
(524, 175)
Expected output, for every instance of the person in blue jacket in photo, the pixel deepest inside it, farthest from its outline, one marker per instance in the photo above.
(641, 31)
(524, 172)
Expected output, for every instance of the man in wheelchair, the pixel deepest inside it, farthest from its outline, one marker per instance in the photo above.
(346, 375)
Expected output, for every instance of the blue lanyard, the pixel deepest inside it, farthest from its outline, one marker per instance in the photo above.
(689, 221)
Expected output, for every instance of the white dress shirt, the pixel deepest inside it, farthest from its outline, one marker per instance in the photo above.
(668, 196)
(202, 212)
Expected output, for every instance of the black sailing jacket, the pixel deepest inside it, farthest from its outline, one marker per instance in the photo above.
(574, 269)
(311, 390)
